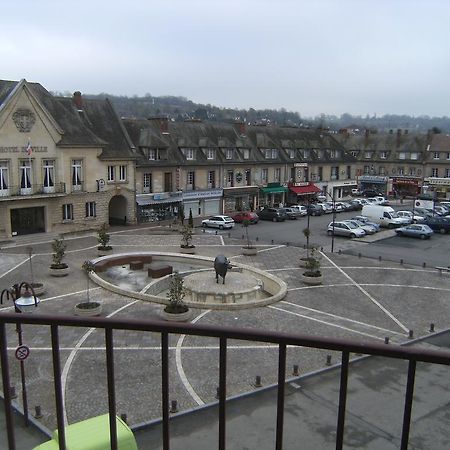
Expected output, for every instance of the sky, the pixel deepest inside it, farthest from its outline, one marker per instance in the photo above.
(317, 56)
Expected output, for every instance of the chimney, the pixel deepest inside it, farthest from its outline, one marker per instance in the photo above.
(366, 133)
(162, 122)
(78, 100)
(399, 135)
(240, 128)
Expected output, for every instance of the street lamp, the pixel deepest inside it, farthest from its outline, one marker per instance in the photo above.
(25, 301)
(333, 199)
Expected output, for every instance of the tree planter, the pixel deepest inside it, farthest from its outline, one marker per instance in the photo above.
(176, 317)
(303, 262)
(249, 251)
(88, 309)
(39, 288)
(189, 250)
(104, 251)
(312, 280)
(59, 271)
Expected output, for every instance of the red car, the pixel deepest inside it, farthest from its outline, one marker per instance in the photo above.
(245, 215)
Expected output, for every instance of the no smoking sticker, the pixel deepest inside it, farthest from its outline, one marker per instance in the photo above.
(22, 352)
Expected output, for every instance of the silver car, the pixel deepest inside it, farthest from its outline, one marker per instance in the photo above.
(345, 229)
(369, 229)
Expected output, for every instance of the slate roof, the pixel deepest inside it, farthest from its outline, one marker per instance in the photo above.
(95, 125)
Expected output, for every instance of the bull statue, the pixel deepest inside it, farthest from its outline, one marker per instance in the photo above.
(221, 266)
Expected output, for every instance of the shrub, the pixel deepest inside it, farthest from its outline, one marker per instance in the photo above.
(176, 295)
(59, 252)
(103, 238)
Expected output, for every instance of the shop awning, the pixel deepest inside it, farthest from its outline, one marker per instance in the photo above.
(150, 201)
(304, 190)
(274, 189)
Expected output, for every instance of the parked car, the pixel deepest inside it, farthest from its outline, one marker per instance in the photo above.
(440, 224)
(356, 204)
(414, 218)
(327, 207)
(300, 208)
(220, 222)
(417, 230)
(273, 214)
(366, 220)
(345, 229)
(315, 210)
(339, 206)
(371, 193)
(239, 217)
(382, 200)
(369, 229)
(356, 192)
(348, 206)
(291, 213)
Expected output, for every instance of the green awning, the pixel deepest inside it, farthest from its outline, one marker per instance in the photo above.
(274, 189)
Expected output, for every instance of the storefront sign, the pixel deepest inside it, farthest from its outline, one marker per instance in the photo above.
(192, 195)
(438, 181)
(15, 149)
(300, 164)
(372, 179)
(162, 196)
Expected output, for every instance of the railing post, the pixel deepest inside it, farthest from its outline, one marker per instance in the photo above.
(408, 404)
(342, 400)
(165, 388)
(58, 388)
(280, 400)
(111, 387)
(222, 391)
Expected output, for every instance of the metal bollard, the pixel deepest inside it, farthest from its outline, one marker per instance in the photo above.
(173, 406)
(216, 232)
(386, 340)
(257, 239)
(37, 412)
(410, 334)
(431, 327)
(401, 261)
(12, 392)
(124, 417)
(340, 252)
(258, 381)
(379, 258)
(229, 235)
(203, 230)
(328, 360)
(243, 237)
(272, 241)
(295, 371)
(424, 264)
(359, 255)
(217, 393)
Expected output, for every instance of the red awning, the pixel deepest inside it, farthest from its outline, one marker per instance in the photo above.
(303, 190)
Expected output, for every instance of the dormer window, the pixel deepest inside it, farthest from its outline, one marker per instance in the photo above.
(210, 153)
(229, 153)
(368, 155)
(189, 153)
(402, 155)
(436, 155)
(305, 153)
(156, 154)
(268, 153)
(333, 154)
(246, 153)
(152, 154)
(274, 153)
(320, 153)
(354, 153)
(291, 153)
(414, 155)
(383, 155)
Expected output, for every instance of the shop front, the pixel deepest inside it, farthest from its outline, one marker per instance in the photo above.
(274, 194)
(369, 182)
(338, 190)
(406, 186)
(243, 198)
(206, 202)
(301, 193)
(440, 187)
(161, 206)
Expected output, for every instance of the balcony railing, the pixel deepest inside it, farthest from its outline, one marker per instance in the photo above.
(34, 189)
(411, 354)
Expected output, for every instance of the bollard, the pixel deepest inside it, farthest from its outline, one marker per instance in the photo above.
(12, 392)
(386, 340)
(37, 412)
(379, 258)
(401, 261)
(328, 360)
(229, 235)
(173, 406)
(431, 327)
(217, 393)
(216, 232)
(295, 371)
(424, 265)
(124, 417)
(257, 238)
(304, 245)
(340, 252)
(258, 381)
(321, 249)
(410, 334)
(203, 230)
(272, 241)
(359, 255)
(243, 237)
(287, 244)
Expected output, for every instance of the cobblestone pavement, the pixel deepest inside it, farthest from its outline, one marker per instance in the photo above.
(361, 299)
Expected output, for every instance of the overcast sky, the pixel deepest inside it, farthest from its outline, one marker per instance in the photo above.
(316, 56)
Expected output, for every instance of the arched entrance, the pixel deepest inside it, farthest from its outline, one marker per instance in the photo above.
(117, 210)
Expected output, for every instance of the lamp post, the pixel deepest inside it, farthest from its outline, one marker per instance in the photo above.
(25, 301)
(333, 199)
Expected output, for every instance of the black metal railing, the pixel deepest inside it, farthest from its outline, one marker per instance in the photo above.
(411, 354)
(34, 189)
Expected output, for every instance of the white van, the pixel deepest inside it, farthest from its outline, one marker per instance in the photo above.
(384, 215)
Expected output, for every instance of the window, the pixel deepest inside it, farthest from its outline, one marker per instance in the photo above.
(412, 171)
(189, 152)
(291, 154)
(349, 172)
(210, 153)
(383, 155)
(248, 177)
(354, 153)
(229, 153)
(264, 175)
(366, 170)
(277, 174)
(91, 209)
(77, 166)
(320, 174)
(368, 155)
(267, 153)
(381, 170)
(122, 173)
(147, 182)
(447, 173)
(67, 211)
(305, 153)
(25, 176)
(401, 171)
(333, 154)
(414, 155)
(49, 174)
(448, 155)
(320, 154)
(191, 180)
(152, 154)
(402, 155)
(246, 153)
(111, 173)
(436, 155)
(274, 153)
(435, 172)
(230, 178)
(212, 179)
(4, 179)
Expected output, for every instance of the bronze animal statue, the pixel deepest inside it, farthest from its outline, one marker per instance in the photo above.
(221, 266)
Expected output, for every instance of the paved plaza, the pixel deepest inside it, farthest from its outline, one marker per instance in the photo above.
(361, 299)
